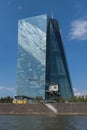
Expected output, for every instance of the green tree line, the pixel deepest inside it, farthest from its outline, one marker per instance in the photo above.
(39, 99)
(78, 99)
(73, 99)
(7, 99)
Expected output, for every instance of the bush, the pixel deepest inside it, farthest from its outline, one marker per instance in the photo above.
(7, 99)
(38, 98)
(78, 99)
(60, 99)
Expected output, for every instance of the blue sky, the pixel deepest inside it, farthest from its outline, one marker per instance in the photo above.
(72, 18)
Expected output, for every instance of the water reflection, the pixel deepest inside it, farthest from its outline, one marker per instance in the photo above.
(38, 122)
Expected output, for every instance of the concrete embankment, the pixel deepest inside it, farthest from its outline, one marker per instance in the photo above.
(46, 109)
(38, 108)
(71, 108)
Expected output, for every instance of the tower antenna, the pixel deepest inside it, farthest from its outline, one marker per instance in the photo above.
(52, 15)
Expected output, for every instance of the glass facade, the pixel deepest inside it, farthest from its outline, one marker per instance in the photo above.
(41, 58)
(31, 64)
(56, 66)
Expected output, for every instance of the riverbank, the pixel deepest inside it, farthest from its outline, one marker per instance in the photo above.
(41, 108)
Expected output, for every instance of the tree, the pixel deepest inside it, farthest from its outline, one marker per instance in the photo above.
(80, 99)
(85, 99)
(38, 98)
(73, 99)
(60, 99)
(7, 99)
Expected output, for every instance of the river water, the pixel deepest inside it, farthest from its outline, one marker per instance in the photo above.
(38, 122)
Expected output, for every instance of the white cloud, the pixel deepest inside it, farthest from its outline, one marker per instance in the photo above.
(6, 88)
(78, 93)
(78, 30)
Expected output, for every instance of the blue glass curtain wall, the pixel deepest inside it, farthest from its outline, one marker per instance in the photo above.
(41, 58)
(56, 66)
(31, 64)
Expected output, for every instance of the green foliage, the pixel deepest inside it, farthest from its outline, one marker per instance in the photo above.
(7, 99)
(38, 98)
(85, 100)
(73, 99)
(78, 99)
(60, 99)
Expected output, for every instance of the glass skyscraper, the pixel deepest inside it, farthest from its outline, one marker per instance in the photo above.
(41, 58)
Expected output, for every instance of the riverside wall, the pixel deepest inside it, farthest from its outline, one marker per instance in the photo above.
(40, 108)
(71, 108)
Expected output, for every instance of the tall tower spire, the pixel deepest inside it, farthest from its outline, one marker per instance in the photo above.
(52, 15)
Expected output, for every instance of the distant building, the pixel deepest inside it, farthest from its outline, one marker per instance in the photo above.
(41, 59)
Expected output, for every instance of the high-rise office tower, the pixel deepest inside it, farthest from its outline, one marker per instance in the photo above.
(41, 58)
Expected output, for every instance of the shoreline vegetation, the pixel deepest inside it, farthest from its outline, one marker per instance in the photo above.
(75, 106)
(39, 99)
